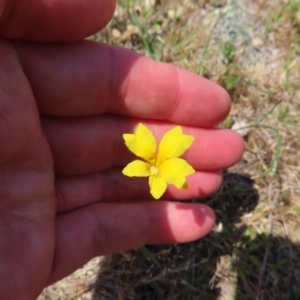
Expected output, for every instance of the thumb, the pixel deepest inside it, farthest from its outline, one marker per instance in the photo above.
(53, 20)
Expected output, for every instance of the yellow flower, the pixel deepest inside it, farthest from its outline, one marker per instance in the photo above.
(163, 167)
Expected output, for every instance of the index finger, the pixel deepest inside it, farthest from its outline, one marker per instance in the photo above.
(89, 78)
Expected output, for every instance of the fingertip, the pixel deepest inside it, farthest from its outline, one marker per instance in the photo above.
(192, 222)
(210, 218)
(200, 184)
(219, 148)
(220, 100)
(205, 211)
(224, 103)
(209, 181)
(232, 148)
(237, 147)
(207, 102)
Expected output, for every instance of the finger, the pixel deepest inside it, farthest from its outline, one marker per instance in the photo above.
(53, 20)
(87, 145)
(106, 228)
(89, 78)
(112, 186)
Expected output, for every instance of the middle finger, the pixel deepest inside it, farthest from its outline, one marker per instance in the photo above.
(92, 144)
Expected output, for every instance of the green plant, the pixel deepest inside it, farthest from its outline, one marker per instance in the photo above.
(148, 44)
(231, 75)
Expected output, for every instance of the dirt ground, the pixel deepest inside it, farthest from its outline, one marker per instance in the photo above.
(252, 48)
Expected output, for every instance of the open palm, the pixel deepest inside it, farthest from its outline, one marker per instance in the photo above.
(63, 110)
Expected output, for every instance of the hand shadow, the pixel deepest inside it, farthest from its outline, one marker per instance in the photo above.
(227, 264)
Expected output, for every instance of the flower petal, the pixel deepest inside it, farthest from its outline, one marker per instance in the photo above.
(157, 186)
(137, 168)
(173, 144)
(174, 171)
(142, 143)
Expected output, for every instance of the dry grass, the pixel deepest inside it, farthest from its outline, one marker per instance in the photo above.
(252, 48)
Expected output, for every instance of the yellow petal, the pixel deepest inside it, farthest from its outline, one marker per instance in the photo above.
(142, 143)
(174, 171)
(137, 168)
(157, 186)
(173, 144)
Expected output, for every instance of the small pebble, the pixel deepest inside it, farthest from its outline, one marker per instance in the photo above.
(257, 42)
(241, 128)
(116, 33)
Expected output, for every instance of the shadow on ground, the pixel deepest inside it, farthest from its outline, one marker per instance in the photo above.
(228, 264)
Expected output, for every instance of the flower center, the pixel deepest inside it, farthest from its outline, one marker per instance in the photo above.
(153, 171)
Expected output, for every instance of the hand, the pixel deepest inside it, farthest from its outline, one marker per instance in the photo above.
(63, 110)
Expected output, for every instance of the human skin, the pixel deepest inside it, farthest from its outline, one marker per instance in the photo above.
(63, 109)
